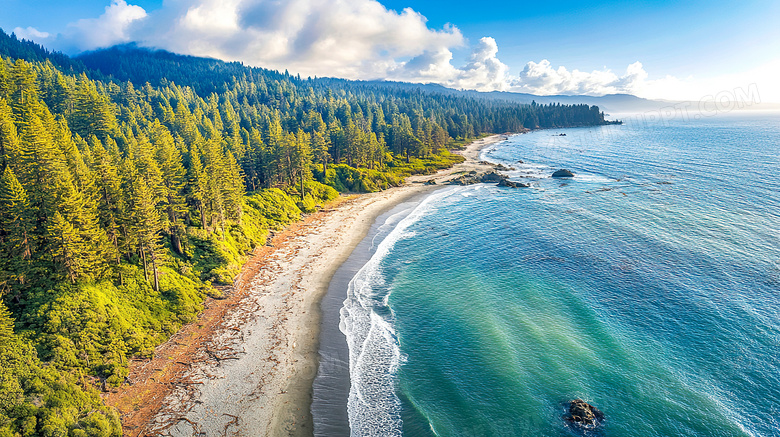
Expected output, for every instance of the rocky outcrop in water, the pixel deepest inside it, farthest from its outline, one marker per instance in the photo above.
(584, 414)
(491, 176)
(475, 178)
(487, 178)
(511, 184)
(563, 173)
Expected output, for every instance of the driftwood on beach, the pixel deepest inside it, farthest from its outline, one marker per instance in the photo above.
(264, 331)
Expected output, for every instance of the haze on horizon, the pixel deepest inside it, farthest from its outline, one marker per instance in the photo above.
(654, 49)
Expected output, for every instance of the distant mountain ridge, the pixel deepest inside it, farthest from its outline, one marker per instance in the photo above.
(123, 63)
(608, 102)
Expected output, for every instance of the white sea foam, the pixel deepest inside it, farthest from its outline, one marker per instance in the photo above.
(373, 407)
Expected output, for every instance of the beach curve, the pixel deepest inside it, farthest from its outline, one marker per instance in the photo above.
(246, 367)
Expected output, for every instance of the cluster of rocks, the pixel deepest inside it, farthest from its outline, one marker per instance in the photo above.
(486, 178)
(584, 414)
(493, 176)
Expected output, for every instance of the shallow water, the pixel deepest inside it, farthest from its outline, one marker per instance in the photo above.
(648, 285)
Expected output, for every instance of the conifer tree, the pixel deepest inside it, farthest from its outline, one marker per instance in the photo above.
(15, 228)
(110, 205)
(172, 179)
(301, 160)
(321, 148)
(24, 90)
(146, 227)
(67, 248)
(9, 145)
(198, 184)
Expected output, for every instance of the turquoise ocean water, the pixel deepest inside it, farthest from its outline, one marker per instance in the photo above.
(648, 285)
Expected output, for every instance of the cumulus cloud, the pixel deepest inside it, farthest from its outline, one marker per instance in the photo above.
(541, 78)
(354, 39)
(344, 38)
(31, 34)
(113, 27)
(483, 72)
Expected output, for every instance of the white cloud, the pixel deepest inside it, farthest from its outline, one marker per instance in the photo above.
(31, 34)
(541, 78)
(354, 39)
(344, 38)
(484, 71)
(115, 26)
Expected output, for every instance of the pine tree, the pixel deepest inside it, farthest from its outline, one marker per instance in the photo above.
(321, 148)
(5, 86)
(92, 112)
(198, 184)
(110, 205)
(301, 160)
(67, 247)
(6, 325)
(253, 163)
(9, 144)
(172, 177)
(41, 164)
(24, 91)
(80, 211)
(15, 229)
(146, 227)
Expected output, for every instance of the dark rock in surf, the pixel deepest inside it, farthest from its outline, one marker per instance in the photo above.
(492, 177)
(511, 184)
(584, 414)
(430, 182)
(563, 173)
(464, 180)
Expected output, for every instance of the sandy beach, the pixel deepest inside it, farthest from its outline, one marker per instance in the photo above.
(246, 366)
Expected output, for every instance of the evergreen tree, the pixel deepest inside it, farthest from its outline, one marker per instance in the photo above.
(172, 177)
(15, 229)
(9, 145)
(146, 227)
(67, 248)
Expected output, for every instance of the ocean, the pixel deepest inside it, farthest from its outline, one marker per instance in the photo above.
(648, 285)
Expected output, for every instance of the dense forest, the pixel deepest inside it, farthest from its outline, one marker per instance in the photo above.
(132, 182)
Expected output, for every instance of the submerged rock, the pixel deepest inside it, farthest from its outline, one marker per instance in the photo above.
(563, 173)
(584, 414)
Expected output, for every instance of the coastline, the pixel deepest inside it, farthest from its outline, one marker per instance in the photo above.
(331, 386)
(248, 364)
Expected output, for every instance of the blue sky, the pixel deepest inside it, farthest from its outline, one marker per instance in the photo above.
(677, 37)
(684, 49)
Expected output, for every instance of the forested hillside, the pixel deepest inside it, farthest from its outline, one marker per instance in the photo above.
(126, 193)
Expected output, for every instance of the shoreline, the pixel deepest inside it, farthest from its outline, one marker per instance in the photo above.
(247, 365)
(331, 386)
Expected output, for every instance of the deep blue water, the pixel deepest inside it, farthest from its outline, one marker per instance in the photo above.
(648, 285)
